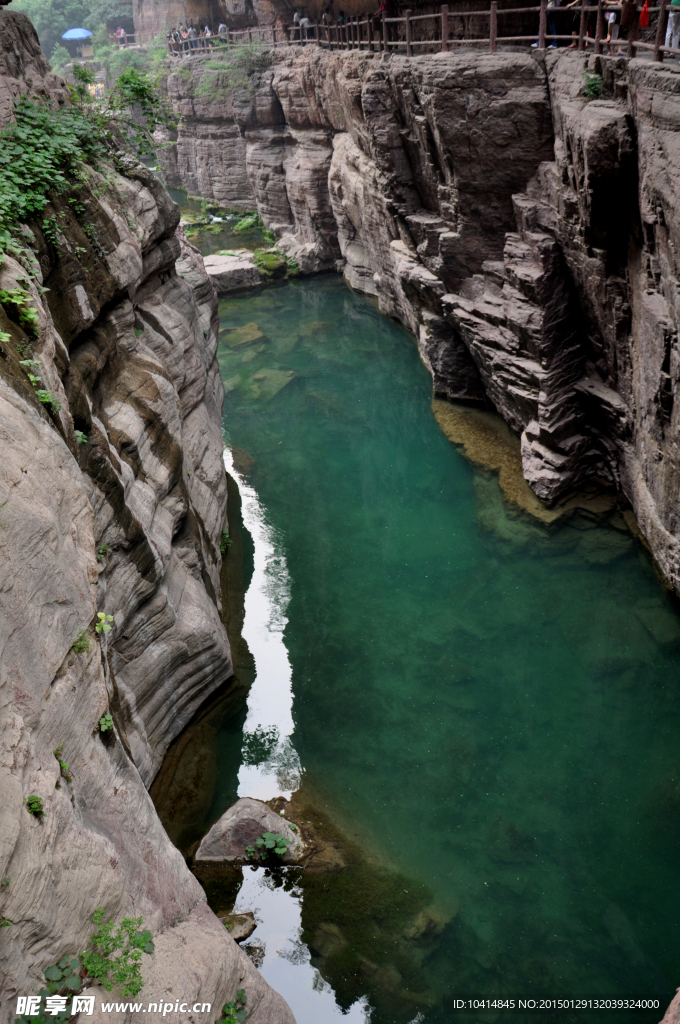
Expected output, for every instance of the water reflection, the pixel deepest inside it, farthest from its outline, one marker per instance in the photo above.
(280, 953)
(271, 766)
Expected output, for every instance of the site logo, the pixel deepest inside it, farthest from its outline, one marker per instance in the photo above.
(30, 1005)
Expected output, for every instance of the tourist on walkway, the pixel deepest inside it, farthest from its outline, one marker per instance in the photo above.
(630, 17)
(121, 36)
(193, 40)
(296, 23)
(673, 28)
(304, 28)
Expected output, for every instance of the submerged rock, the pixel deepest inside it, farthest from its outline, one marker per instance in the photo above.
(240, 827)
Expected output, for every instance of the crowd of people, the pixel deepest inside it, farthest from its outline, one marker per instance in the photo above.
(188, 37)
(622, 18)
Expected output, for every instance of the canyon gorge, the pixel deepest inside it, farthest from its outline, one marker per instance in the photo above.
(526, 235)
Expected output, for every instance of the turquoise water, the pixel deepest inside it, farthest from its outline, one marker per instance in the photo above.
(489, 706)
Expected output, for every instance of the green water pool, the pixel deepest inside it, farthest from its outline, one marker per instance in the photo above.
(489, 706)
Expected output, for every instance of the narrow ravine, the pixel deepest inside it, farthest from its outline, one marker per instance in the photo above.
(484, 704)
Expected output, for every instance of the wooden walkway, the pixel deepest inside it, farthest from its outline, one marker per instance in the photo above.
(406, 33)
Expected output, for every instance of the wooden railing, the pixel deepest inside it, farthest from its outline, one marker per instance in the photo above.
(130, 39)
(367, 33)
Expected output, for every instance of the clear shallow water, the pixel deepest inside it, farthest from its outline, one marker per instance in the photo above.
(490, 707)
(220, 234)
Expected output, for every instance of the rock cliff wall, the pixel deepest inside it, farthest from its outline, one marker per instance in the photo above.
(127, 524)
(528, 237)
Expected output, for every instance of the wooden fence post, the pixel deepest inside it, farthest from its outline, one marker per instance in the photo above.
(632, 36)
(660, 31)
(493, 26)
(369, 32)
(542, 24)
(409, 45)
(386, 38)
(445, 27)
(582, 26)
(600, 27)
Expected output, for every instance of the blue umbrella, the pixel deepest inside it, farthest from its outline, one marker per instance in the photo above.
(77, 33)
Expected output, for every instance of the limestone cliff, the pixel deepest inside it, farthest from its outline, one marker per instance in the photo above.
(112, 503)
(527, 236)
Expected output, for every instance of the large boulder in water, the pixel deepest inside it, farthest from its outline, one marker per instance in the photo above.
(232, 271)
(240, 827)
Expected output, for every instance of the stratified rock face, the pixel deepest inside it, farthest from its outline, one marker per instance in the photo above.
(127, 524)
(528, 237)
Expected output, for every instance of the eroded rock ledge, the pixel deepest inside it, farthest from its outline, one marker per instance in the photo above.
(529, 238)
(127, 524)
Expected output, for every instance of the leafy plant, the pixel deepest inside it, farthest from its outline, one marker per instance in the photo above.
(64, 975)
(594, 85)
(234, 1012)
(103, 550)
(247, 223)
(232, 70)
(103, 625)
(82, 643)
(43, 395)
(16, 300)
(49, 229)
(59, 58)
(5, 922)
(63, 767)
(135, 89)
(105, 723)
(4, 884)
(39, 154)
(43, 152)
(48, 399)
(81, 437)
(115, 957)
(269, 842)
(35, 806)
(225, 541)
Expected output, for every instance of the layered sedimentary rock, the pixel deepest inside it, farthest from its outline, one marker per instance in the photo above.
(526, 235)
(112, 502)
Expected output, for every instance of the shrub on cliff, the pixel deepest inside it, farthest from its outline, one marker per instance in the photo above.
(44, 151)
(232, 70)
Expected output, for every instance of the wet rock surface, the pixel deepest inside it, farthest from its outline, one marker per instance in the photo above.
(527, 236)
